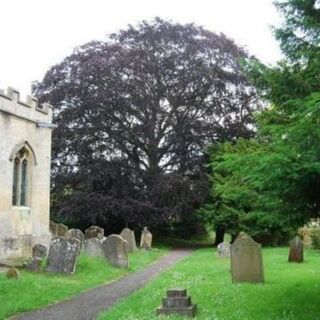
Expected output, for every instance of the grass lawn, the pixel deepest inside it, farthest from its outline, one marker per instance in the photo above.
(34, 290)
(291, 291)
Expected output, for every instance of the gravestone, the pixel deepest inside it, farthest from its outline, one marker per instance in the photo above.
(13, 273)
(39, 251)
(296, 250)
(61, 230)
(246, 261)
(146, 239)
(93, 247)
(77, 243)
(129, 236)
(62, 256)
(53, 227)
(76, 233)
(94, 232)
(34, 264)
(223, 250)
(116, 251)
(177, 302)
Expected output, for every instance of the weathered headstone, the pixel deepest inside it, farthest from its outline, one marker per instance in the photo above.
(75, 233)
(129, 236)
(53, 227)
(177, 302)
(34, 264)
(116, 251)
(61, 230)
(13, 273)
(246, 261)
(93, 247)
(223, 250)
(94, 232)
(296, 250)
(62, 256)
(146, 239)
(77, 243)
(39, 251)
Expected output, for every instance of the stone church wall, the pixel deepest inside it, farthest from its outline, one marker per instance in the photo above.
(24, 124)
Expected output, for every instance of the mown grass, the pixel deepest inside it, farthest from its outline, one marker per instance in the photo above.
(291, 291)
(34, 290)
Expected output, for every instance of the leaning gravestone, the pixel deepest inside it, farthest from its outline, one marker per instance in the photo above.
(61, 230)
(94, 232)
(146, 239)
(116, 251)
(246, 261)
(39, 251)
(223, 250)
(129, 236)
(75, 233)
(296, 250)
(77, 243)
(93, 247)
(62, 256)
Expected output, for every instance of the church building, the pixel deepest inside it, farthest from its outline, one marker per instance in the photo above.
(25, 151)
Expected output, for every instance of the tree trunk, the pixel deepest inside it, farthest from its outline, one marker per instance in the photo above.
(219, 236)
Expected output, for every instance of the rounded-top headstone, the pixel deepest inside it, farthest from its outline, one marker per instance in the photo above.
(61, 230)
(94, 232)
(116, 251)
(39, 251)
(223, 250)
(62, 256)
(129, 236)
(296, 250)
(246, 260)
(146, 239)
(75, 233)
(93, 247)
(13, 273)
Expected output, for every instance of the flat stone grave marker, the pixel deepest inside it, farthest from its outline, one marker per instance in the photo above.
(62, 256)
(296, 250)
(129, 236)
(39, 251)
(61, 230)
(146, 239)
(246, 261)
(116, 251)
(223, 250)
(177, 302)
(93, 247)
(94, 232)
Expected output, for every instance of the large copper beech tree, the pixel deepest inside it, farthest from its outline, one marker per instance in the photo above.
(135, 114)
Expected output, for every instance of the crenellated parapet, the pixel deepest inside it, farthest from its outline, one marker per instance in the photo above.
(30, 109)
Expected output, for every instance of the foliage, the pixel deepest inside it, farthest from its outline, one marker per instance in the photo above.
(34, 290)
(297, 76)
(135, 114)
(271, 184)
(289, 293)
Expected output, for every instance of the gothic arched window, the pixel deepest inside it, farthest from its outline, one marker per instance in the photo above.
(20, 178)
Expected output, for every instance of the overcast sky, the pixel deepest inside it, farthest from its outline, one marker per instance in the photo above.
(36, 34)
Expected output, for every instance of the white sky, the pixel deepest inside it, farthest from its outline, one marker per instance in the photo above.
(36, 34)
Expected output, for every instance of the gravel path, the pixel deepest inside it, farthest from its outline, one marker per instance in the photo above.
(88, 305)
